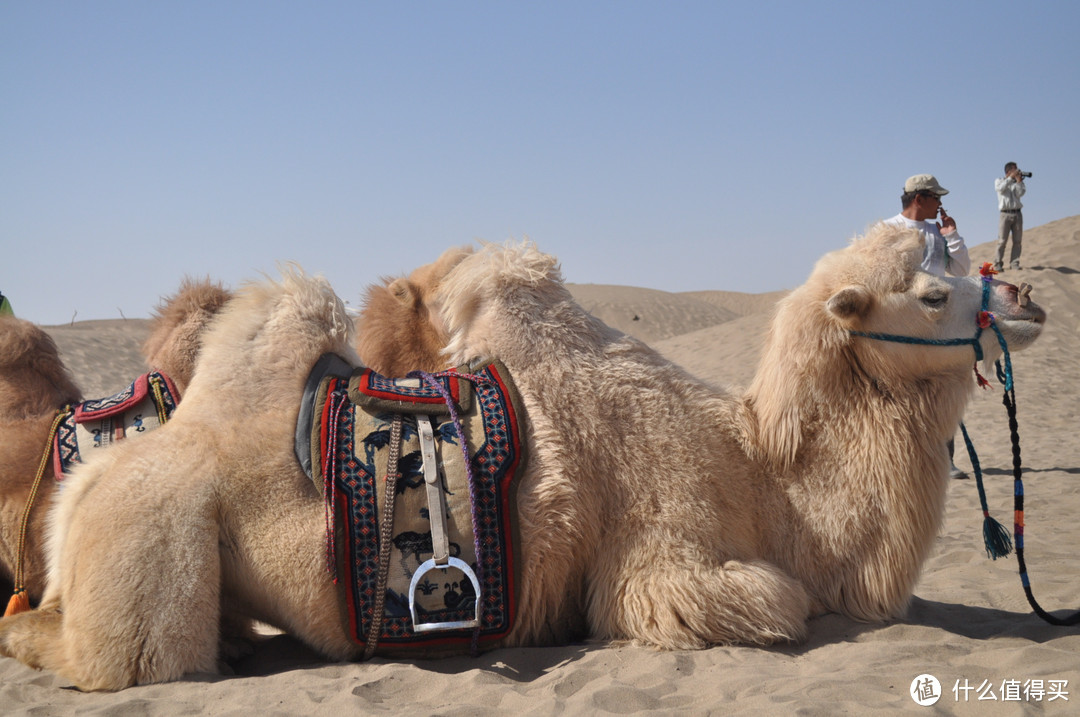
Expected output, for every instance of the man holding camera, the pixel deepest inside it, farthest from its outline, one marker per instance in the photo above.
(1010, 219)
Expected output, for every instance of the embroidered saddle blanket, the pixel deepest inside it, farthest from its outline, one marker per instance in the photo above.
(344, 440)
(143, 406)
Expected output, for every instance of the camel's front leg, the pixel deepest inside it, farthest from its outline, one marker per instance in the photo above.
(138, 584)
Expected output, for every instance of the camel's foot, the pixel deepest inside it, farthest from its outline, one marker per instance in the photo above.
(32, 638)
(37, 639)
(91, 661)
(694, 607)
(237, 639)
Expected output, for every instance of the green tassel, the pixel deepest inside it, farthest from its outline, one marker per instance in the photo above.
(997, 539)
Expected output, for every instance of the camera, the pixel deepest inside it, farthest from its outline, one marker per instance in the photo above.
(1026, 175)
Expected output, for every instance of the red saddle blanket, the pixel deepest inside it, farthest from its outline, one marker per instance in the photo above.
(350, 434)
(143, 406)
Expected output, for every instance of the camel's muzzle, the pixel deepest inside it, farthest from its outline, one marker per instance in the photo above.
(1017, 304)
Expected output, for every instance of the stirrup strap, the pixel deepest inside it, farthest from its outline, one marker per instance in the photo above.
(440, 540)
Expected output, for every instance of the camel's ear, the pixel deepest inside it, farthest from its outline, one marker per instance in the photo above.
(850, 302)
(404, 291)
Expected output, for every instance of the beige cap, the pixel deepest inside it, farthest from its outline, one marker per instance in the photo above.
(924, 183)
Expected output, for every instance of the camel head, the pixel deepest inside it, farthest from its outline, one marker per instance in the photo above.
(33, 379)
(398, 329)
(815, 357)
(876, 287)
(177, 327)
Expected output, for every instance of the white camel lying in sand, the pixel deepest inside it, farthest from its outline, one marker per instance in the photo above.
(34, 384)
(653, 507)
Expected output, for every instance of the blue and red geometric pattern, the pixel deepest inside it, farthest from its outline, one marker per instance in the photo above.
(495, 459)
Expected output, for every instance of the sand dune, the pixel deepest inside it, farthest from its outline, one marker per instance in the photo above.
(969, 624)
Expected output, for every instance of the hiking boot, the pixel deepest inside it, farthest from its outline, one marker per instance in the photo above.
(998, 266)
(956, 473)
(1015, 265)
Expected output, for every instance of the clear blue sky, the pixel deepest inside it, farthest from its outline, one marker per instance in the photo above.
(670, 145)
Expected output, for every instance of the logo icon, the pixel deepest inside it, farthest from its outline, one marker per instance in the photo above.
(925, 690)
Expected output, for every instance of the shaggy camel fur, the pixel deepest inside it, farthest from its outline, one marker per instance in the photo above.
(34, 383)
(177, 327)
(406, 337)
(653, 507)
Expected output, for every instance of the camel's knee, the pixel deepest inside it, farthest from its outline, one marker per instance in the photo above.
(697, 606)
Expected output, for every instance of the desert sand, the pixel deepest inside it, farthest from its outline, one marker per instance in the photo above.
(969, 624)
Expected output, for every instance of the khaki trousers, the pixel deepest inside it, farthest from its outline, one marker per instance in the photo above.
(1009, 222)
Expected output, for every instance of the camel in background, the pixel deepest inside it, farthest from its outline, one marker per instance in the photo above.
(406, 336)
(34, 384)
(177, 327)
(653, 507)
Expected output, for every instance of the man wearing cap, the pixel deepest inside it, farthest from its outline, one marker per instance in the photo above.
(945, 251)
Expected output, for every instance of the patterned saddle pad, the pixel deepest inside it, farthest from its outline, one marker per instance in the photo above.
(349, 436)
(143, 406)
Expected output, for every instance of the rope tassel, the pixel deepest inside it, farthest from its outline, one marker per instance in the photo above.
(19, 602)
(996, 536)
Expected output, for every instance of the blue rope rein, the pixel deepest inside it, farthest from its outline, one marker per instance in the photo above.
(995, 536)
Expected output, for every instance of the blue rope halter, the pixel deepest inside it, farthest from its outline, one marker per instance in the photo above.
(973, 341)
(995, 535)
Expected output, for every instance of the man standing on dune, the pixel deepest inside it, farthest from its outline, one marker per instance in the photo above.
(1010, 219)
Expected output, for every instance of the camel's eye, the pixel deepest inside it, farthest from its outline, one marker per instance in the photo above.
(936, 299)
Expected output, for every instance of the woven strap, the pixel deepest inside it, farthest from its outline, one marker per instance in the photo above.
(386, 533)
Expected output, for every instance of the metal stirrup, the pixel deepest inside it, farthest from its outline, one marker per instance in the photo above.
(440, 542)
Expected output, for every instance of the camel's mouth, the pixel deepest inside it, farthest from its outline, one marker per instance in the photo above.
(1034, 314)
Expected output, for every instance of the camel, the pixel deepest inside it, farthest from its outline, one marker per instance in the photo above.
(34, 383)
(654, 507)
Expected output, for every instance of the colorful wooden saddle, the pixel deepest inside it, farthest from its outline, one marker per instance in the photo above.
(421, 542)
(144, 405)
